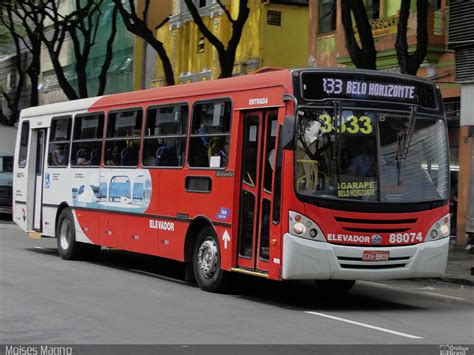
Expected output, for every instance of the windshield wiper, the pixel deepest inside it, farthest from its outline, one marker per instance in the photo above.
(409, 135)
(336, 151)
(404, 141)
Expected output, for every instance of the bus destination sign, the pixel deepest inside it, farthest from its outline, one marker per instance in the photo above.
(320, 86)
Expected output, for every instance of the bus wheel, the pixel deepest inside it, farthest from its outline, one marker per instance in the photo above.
(68, 247)
(335, 286)
(207, 262)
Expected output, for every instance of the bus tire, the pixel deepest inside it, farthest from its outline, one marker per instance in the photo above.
(207, 262)
(68, 247)
(335, 286)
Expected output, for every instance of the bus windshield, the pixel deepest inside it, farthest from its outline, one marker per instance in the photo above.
(372, 156)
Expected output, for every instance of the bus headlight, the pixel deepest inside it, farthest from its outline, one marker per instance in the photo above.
(439, 230)
(301, 226)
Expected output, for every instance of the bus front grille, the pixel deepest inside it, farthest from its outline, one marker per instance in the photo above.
(363, 225)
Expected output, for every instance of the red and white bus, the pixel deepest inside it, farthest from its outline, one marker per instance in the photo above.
(325, 174)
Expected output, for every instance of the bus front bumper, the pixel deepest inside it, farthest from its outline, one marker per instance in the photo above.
(308, 259)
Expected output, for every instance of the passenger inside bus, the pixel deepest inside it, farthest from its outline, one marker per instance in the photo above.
(59, 156)
(112, 157)
(82, 157)
(129, 154)
(217, 152)
(363, 164)
(149, 155)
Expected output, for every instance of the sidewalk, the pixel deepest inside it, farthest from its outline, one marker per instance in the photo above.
(460, 266)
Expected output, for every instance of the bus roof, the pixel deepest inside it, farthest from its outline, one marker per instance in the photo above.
(266, 79)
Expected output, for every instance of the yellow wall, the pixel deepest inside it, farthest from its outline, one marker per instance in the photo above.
(266, 45)
(157, 12)
(285, 46)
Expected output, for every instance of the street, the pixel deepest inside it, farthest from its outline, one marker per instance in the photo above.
(127, 298)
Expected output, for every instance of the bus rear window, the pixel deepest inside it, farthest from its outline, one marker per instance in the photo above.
(25, 135)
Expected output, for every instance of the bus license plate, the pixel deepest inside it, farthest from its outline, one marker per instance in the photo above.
(375, 255)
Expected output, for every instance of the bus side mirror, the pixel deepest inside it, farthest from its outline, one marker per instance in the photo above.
(287, 135)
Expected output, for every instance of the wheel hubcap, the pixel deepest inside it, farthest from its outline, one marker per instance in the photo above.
(208, 257)
(64, 234)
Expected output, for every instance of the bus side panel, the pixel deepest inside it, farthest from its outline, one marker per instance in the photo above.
(49, 216)
(87, 225)
(84, 192)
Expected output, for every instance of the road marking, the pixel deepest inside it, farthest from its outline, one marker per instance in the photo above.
(412, 291)
(440, 295)
(365, 325)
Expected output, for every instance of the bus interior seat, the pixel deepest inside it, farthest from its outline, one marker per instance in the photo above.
(166, 156)
(129, 155)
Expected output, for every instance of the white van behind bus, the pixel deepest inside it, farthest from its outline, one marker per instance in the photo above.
(7, 147)
(6, 182)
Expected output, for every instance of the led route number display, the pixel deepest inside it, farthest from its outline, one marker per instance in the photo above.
(353, 87)
(363, 86)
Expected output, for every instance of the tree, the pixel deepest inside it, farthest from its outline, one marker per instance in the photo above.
(226, 55)
(138, 25)
(410, 63)
(21, 36)
(30, 36)
(82, 26)
(365, 57)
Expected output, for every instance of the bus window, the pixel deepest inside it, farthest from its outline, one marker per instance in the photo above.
(60, 135)
(165, 136)
(270, 151)
(87, 140)
(25, 135)
(209, 143)
(123, 138)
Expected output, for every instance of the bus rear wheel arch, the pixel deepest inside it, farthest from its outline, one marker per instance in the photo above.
(68, 247)
(207, 262)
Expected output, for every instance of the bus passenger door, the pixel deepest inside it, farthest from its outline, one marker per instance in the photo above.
(38, 184)
(258, 157)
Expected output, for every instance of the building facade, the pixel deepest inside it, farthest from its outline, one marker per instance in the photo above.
(461, 41)
(9, 79)
(145, 57)
(275, 35)
(326, 44)
(120, 74)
